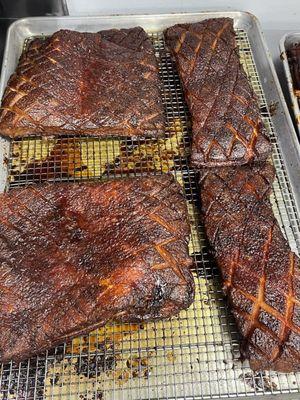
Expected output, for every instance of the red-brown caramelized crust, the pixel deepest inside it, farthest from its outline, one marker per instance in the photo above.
(74, 256)
(104, 83)
(227, 126)
(261, 274)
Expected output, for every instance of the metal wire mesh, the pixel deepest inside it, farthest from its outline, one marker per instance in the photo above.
(194, 355)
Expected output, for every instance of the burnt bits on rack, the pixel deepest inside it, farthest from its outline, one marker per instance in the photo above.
(70, 158)
(37, 159)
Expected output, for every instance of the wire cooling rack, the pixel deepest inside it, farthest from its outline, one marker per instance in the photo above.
(192, 356)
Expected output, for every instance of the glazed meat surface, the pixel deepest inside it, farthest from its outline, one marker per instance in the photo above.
(75, 256)
(226, 122)
(103, 83)
(261, 274)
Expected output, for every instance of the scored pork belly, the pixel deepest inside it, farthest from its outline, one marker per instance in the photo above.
(226, 122)
(261, 274)
(104, 83)
(74, 256)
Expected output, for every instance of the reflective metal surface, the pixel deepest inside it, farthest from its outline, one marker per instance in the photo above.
(196, 354)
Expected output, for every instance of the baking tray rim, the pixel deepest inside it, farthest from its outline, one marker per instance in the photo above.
(283, 55)
(15, 26)
(251, 19)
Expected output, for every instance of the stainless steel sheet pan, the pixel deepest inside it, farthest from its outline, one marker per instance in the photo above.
(196, 354)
